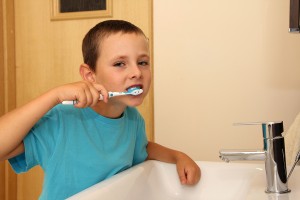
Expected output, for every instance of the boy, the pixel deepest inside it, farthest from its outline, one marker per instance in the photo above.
(79, 146)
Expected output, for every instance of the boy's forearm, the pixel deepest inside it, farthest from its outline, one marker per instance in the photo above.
(161, 153)
(16, 124)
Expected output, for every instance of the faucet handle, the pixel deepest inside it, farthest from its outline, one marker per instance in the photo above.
(270, 129)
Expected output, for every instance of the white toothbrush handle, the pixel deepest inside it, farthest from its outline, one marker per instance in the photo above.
(73, 102)
(110, 94)
(115, 94)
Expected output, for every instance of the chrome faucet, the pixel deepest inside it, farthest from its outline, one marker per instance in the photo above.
(273, 154)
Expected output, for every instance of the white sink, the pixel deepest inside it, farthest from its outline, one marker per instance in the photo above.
(154, 180)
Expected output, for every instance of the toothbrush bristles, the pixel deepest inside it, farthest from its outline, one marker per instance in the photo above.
(137, 92)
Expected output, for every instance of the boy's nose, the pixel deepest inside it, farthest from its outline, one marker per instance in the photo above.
(135, 72)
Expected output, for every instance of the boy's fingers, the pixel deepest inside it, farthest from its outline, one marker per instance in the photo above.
(81, 101)
(95, 96)
(104, 95)
(101, 90)
(183, 179)
(182, 175)
(193, 176)
(89, 97)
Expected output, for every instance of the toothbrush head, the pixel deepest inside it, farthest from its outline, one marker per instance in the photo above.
(135, 91)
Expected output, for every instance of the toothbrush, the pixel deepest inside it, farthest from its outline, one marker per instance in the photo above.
(131, 91)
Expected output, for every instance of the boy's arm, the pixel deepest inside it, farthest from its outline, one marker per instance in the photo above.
(15, 125)
(188, 171)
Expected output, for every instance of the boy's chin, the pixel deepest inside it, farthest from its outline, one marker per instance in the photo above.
(135, 102)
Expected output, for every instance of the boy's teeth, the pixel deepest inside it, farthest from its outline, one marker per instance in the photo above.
(133, 88)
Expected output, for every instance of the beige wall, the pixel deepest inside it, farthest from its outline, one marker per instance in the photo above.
(219, 62)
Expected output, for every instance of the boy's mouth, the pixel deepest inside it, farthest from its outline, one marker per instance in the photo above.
(139, 86)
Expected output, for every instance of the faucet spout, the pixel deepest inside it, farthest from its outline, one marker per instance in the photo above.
(235, 155)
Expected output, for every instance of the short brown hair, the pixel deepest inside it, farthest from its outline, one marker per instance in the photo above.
(92, 40)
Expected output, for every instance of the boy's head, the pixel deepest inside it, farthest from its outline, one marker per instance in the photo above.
(116, 55)
(92, 40)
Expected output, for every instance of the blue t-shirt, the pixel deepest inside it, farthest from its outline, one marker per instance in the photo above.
(78, 148)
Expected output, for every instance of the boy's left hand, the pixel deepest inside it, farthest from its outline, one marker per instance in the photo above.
(188, 171)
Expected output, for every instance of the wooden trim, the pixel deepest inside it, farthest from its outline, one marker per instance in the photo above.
(10, 59)
(7, 87)
(56, 15)
(151, 92)
(2, 180)
(2, 98)
(2, 88)
(10, 182)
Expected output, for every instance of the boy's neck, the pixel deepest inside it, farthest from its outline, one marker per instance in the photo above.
(108, 110)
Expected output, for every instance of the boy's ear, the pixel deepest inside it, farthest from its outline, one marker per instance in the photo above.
(86, 73)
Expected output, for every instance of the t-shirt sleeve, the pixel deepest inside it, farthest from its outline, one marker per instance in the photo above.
(19, 163)
(38, 145)
(140, 151)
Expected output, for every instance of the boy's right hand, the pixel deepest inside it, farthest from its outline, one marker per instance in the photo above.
(86, 93)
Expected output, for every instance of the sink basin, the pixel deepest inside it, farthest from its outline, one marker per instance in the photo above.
(154, 180)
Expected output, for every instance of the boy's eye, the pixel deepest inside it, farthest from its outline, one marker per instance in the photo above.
(143, 63)
(119, 64)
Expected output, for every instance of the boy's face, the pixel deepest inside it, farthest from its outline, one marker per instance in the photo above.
(124, 62)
